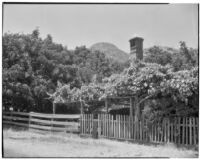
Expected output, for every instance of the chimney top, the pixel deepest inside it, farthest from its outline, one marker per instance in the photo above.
(139, 38)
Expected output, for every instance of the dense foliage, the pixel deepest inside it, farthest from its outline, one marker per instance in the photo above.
(181, 59)
(32, 66)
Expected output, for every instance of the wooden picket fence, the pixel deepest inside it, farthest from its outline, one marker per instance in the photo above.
(43, 122)
(183, 131)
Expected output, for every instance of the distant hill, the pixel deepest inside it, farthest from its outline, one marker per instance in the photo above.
(111, 51)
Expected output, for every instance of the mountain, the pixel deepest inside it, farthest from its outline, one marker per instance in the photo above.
(111, 51)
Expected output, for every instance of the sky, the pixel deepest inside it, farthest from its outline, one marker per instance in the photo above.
(76, 25)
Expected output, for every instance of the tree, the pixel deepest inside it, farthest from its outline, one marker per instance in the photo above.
(181, 59)
(156, 54)
(185, 58)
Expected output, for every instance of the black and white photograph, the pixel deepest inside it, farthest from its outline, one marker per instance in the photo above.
(100, 80)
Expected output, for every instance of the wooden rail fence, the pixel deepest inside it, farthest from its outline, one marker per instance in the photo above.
(177, 130)
(43, 122)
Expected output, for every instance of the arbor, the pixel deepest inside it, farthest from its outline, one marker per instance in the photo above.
(150, 81)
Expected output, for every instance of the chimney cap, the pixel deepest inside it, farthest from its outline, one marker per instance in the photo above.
(136, 38)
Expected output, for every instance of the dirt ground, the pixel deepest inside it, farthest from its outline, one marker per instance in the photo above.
(29, 144)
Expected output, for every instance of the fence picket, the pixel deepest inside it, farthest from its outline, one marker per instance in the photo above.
(119, 126)
(194, 130)
(165, 131)
(172, 131)
(190, 128)
(108, 125)
(168, 129)
(155, 132)
(183, 132)
(159, 132)
(186, 131)
(112, 135)
(122, 128)
(179, 130)
(197, 129)
(83, 118)
(116, 126)
(86, 124)
(92, 119)
(124, 123)
(103, 123)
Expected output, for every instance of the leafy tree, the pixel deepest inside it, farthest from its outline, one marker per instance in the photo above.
(181, 59)
(157, 55)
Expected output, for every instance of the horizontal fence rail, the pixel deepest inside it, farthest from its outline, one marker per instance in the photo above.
(43, 122)
(183, 131)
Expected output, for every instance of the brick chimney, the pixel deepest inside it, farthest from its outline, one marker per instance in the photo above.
(136, 46)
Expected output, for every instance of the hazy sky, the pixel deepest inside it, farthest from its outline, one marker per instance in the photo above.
(75, 25)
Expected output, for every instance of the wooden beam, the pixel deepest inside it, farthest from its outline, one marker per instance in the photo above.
(81, 103)
(106, 105)
(131, 107)
(54, 108)
(119, 97)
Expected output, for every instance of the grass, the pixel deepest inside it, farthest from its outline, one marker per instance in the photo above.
(21, 143)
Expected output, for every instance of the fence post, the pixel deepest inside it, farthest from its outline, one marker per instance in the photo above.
(11, 115)
(51, 124)
(29, 120)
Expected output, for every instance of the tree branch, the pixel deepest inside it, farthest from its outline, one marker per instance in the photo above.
(142, 100)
